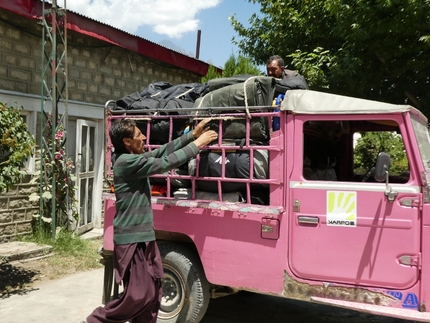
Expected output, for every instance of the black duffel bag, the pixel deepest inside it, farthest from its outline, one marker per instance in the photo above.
(259, 128)
(236, 163)
(254, 91)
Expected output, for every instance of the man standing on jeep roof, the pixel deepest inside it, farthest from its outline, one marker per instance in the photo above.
(285, 79)
(276, 68)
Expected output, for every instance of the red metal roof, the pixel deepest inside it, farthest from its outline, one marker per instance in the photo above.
(33, 9)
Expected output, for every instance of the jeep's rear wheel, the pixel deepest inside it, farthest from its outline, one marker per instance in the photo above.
(185, 288)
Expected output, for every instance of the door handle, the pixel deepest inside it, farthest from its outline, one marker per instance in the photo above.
(309, 220)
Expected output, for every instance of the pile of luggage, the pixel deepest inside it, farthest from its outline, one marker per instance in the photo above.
(187, 100)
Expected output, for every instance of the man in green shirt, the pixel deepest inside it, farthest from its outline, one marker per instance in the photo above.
(137, 260)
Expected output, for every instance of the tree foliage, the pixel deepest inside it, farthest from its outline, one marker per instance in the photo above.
(212, 73)
(239, 65)
(233, 66)
(370, 144)
(16, 145)
(370, 49)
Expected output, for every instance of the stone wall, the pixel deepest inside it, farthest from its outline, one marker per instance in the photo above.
(16, 211)
(98, 71)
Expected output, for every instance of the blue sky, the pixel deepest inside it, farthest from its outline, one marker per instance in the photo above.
(216, 31)
(175, 21)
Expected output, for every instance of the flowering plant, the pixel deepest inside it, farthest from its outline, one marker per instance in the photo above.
(56, 168)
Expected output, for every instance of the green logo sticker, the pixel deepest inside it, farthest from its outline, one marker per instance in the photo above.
(342, 209)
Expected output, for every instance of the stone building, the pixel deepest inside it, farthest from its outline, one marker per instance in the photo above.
(104, 63)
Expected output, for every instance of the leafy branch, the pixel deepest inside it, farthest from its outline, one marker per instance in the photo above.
(16, 145)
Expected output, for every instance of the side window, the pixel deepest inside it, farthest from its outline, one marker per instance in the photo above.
(347, 150)
(322, 147)
(367, 146)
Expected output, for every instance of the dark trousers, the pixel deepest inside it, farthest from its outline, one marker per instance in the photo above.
(140, 301)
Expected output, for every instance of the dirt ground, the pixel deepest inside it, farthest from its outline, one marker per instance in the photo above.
(19, 276)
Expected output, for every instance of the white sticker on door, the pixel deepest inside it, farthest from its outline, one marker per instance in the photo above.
(342, 209)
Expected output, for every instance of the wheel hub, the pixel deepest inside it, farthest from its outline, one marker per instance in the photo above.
(173, 298)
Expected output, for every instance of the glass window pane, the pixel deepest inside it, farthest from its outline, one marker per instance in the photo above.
(82, 201)
(89, 196)
(83, 167)
(90, 149)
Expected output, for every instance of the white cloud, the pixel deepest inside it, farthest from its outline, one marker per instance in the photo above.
(173, 18)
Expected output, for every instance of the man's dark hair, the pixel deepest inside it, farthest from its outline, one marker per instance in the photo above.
(276, 58)
(120, 129)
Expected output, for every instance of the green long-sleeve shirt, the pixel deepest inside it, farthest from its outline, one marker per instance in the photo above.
(134, 219)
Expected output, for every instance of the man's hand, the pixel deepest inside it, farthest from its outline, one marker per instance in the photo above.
(201, 128)
(206, 138)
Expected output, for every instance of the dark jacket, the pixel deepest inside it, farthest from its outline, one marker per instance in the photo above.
(291, 80)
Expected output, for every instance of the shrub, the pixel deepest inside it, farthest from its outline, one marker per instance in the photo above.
(16, 145)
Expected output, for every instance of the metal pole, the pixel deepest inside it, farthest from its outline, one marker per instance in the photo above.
(54, 112)
(199, 34)
(56, 33)
(42, 118)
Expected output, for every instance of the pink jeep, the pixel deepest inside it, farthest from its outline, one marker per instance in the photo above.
(297, 214)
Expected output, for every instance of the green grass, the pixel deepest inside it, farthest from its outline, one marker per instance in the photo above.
(70, 253)
(65, 242)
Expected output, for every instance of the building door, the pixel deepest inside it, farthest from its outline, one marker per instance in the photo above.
(85, 151)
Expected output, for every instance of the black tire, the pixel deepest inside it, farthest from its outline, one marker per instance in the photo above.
(185, 288)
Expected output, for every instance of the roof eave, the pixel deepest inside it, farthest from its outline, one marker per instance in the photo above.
(32, 9)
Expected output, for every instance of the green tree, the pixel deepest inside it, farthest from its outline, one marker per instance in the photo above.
(212, 73)
(16, 145)
(370, 49)
(233, 66)
(370, 144)
(239, 65)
